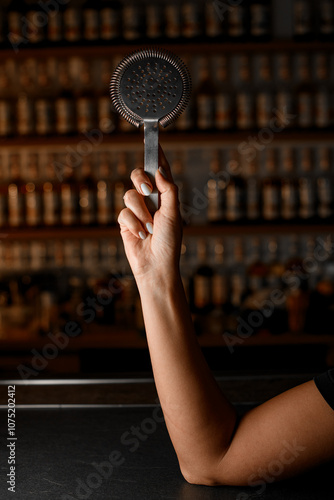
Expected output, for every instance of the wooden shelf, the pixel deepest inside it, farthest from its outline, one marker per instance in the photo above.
(45, 233)
(93, 51)
(182, 139)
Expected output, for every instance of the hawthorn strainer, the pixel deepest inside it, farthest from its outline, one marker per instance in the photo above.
(150, 86)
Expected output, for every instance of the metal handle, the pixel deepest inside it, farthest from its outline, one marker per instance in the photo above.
(151, 135)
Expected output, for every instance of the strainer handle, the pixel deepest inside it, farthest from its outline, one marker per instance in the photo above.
(151, 135)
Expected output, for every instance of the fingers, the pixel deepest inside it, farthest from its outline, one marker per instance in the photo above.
(168, 194)
(136, 217)
(141, 180)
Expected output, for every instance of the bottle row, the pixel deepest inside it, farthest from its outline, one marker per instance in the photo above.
(230, 93)
(241, 285)
(235, 286)
(101, 22)
(313, 20)
(242, 186)
(62, 190)
(237, 192)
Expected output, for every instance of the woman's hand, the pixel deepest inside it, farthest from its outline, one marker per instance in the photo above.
(152, 246)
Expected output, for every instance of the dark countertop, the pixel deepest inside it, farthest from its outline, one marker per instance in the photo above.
(64, 427)
(57, 449)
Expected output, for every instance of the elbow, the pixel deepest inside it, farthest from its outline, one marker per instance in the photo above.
(203, 477)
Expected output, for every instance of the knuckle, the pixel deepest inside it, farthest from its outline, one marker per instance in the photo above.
(129, 195)
(137, 171)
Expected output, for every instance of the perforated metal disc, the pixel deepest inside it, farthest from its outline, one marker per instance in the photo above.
(151, 88)
(150, 84)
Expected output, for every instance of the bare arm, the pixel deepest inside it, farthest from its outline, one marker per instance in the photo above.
(291, 432)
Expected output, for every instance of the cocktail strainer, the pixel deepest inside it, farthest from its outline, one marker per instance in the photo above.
(150, 86)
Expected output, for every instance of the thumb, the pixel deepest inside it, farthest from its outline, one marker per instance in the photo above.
(168, 194)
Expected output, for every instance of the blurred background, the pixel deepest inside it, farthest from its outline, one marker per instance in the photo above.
(253, 156)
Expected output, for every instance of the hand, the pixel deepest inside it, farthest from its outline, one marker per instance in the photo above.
(152, 245)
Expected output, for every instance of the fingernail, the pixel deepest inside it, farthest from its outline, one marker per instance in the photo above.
(163, 172)
(146, 189)
(142, 235)
(149, 227)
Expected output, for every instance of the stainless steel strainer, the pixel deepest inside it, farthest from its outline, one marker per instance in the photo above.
(150, 86)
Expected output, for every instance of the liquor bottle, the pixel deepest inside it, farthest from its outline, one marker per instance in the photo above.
(205, 97)
(265, 94)
(87, 193)
(306, 187)
(187, 120)
(91, 21)
(271, 188)
(215, 24)
(260, 20)
(322, 104)
(255, 293)
(16, 12)
(218, 317)
(224, 106)
(237, 28)
(278, 322)
(55, 25)
(16, 191)
(172, 20)
(191, 18)
(325, 188)
(238, 283)
(7, 103)
(110, 21)
(284, 96)
(253, 200)
(64, 102)
(133, 22)
(202, 281)
(35, 23)
(3, 192)
(321, 67)
(325, 10)
(305, 92)
(51, 193)
(154, 21)
(25, 115)
(69, 197)
(235, 207)
(85, 105)
(297, 296)
(245, 119)
(289, 188)
(33, 191)
(72, 24)
(122, 181)
(105, 209)
(44, 110)
(319, 319)
(303, 20)
(3, 26)
(216, 187)
(106, 116)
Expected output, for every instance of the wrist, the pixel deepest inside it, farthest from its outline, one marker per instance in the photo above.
(159, 283)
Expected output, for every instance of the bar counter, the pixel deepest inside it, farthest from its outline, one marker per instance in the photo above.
(106, 439)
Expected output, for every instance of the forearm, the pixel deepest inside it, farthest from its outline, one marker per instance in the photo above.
(199, 418)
